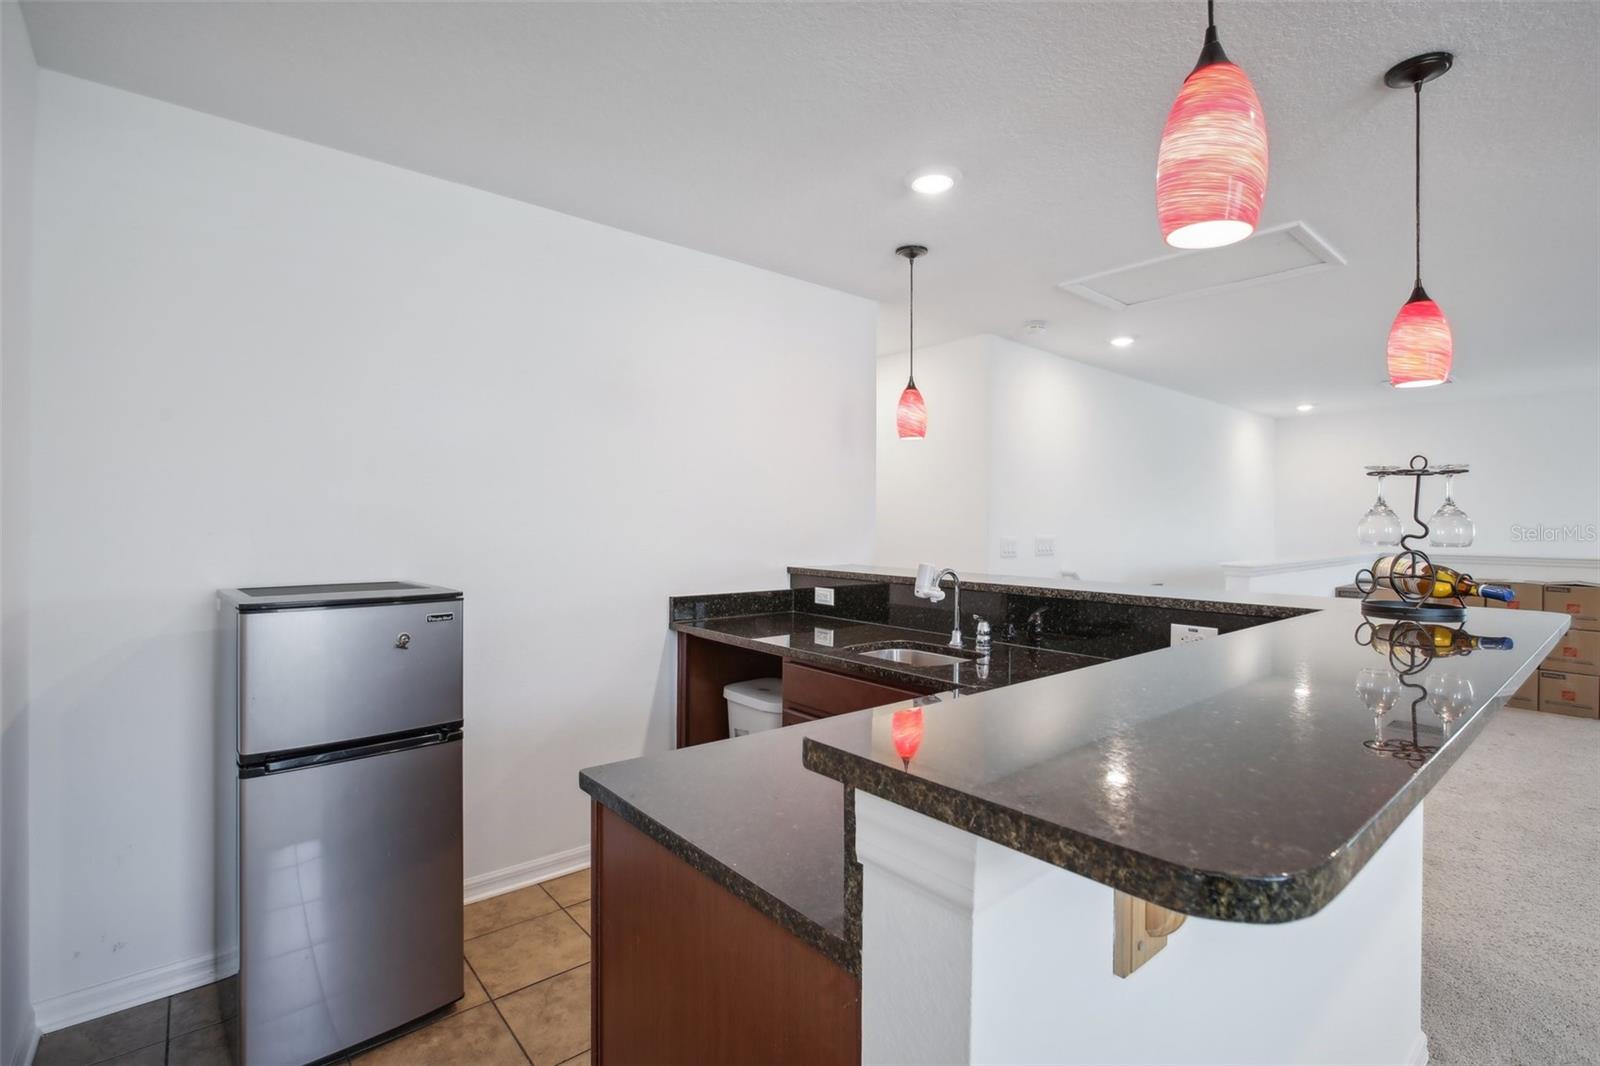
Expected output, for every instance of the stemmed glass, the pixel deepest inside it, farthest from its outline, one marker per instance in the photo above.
(1449, 526)
(1380, 526)
(1451, 697)
(1379, 689)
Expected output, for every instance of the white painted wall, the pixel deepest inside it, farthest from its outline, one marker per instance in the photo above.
(258, 360)
(18, 78)
(1136, 483)
(1535, 462)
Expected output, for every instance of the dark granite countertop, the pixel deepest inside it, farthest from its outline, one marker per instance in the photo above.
(1240, 778)
(746, 813)
(835, 644)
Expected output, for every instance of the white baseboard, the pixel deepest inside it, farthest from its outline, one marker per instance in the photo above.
(23, 1056)
(124, 992)
(510, 878)
(99, 1000)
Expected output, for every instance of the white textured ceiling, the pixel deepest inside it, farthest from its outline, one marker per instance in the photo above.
(779, 135)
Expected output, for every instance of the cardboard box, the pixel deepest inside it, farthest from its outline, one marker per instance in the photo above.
(1577, 695)
(1530, 596)
(1527, 697)
(1580, 599)
(1577, 653)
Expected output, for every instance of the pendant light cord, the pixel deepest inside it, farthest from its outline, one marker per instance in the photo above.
(911, 321)
(1211, 14)
(1418, 95)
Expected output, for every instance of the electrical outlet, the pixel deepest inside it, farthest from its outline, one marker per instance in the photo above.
(1190, 634)
(1043, 546)
(1008, 547)
(822, 597)
(822, 638)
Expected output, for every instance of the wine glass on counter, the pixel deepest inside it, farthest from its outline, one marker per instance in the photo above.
(1449, 526)
(1379, 689)
(1450, 695)
(1380, 526)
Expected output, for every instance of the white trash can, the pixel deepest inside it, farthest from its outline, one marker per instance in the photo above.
(754, 706)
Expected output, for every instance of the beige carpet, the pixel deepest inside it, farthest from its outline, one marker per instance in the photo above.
(1511, 897)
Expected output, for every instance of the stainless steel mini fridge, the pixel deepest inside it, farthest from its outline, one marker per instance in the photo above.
(340, 840)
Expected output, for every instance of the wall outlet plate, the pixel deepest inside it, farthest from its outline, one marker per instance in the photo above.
(1008, 547)
(1043, 546)
(821, 637)
(822, 597)
(1190, 634)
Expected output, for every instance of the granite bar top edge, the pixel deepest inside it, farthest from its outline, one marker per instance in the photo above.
(1263, 605)
(1255, 898)
(835, 948)
(706, 606)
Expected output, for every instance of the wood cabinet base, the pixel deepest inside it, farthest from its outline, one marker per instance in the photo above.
(685, 971)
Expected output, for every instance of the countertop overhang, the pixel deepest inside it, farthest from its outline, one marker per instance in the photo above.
(1240, 778)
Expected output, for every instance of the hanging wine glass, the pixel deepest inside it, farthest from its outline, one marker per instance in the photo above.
(1380, 526)
(1449, 526)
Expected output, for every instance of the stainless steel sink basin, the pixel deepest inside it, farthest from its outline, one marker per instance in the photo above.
(915, 657)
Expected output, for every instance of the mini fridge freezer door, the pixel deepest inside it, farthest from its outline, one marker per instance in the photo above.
(350, 900)
(321, 676)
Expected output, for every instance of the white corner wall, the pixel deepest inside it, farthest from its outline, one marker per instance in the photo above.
(257, 360)
(1135, 483)
(1534, 489)
(18, 80)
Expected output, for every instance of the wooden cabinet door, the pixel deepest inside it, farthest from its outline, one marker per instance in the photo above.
(809, 693)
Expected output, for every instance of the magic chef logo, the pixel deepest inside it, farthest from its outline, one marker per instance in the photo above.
(445, 617)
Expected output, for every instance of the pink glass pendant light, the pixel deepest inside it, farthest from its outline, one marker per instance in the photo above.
(911, 416)
(905, 729)
(1211, 171)
(1420, 346)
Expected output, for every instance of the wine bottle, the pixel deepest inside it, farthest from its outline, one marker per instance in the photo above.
(1437, 582)
(1441, 638)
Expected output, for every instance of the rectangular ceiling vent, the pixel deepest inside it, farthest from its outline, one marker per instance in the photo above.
(1285, 251)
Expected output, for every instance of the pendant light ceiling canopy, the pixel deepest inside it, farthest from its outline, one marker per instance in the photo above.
(911, 416)
(1420, 347)
(1211, 171)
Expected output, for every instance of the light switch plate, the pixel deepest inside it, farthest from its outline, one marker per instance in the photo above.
(1043, 546)
(1008, 547)
(822, 597)
(1190, 634)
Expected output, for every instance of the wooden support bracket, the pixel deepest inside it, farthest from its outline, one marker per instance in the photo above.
(1141, 930)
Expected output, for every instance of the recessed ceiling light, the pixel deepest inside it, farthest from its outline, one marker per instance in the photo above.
(1121, 342)
(1304, 407)
(933, 181)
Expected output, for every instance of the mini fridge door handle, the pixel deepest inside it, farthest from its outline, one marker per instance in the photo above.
(325, 757)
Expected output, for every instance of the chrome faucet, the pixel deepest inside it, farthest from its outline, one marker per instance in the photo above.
(927, 588)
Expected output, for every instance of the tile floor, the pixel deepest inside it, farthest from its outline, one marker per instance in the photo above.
(525, 966)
